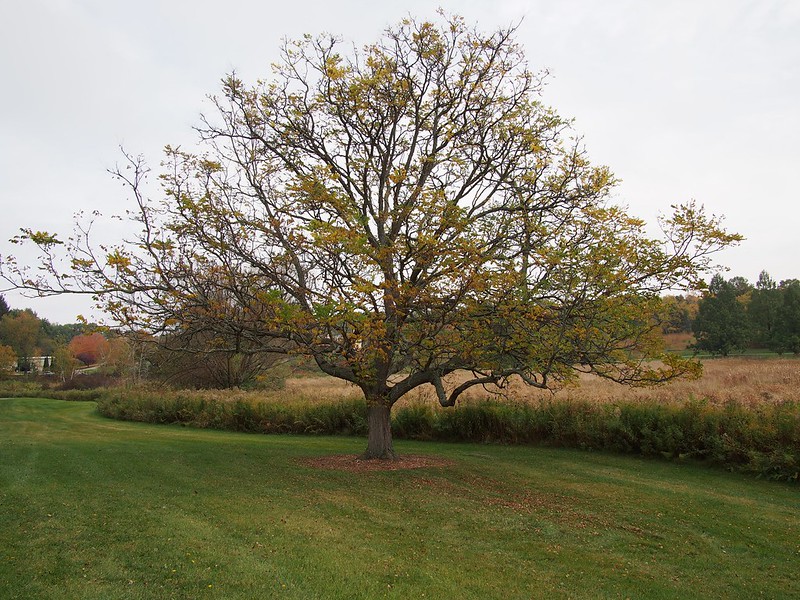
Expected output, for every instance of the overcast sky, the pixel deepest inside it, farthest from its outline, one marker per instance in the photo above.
(682, 99)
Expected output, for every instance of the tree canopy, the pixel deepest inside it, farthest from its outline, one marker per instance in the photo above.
(398, 213)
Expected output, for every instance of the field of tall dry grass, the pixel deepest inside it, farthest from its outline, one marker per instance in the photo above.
(749, 381)
(745, 380)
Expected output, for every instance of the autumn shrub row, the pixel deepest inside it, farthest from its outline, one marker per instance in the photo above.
(24, 388)
(763, 440)
(253, 416)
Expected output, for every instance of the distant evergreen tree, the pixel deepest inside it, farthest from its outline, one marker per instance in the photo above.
(721, 325)
(4, 307)
(740, 286)
(786, 337)
(763, 310)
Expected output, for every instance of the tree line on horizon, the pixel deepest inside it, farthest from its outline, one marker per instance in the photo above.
(731, 316)
(25, 336)
(735, 315)
(34, 345)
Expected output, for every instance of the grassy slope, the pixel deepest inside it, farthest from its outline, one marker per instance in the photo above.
(93, 508)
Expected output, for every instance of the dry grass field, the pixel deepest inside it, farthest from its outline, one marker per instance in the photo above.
(745, 380)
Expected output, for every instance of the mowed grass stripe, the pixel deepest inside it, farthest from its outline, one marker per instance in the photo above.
(94, 508)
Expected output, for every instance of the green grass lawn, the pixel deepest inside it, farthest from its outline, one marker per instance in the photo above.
(94, 508)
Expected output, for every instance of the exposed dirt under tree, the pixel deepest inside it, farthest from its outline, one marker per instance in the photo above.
(355, 464)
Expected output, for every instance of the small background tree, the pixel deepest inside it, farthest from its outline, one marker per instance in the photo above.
(90, 349)
(207, 361)
(8, 360)
(64, 364)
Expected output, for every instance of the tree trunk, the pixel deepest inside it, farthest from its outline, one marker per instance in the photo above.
(379, 433)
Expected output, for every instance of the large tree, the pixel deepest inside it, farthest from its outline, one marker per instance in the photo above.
(398, 213)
